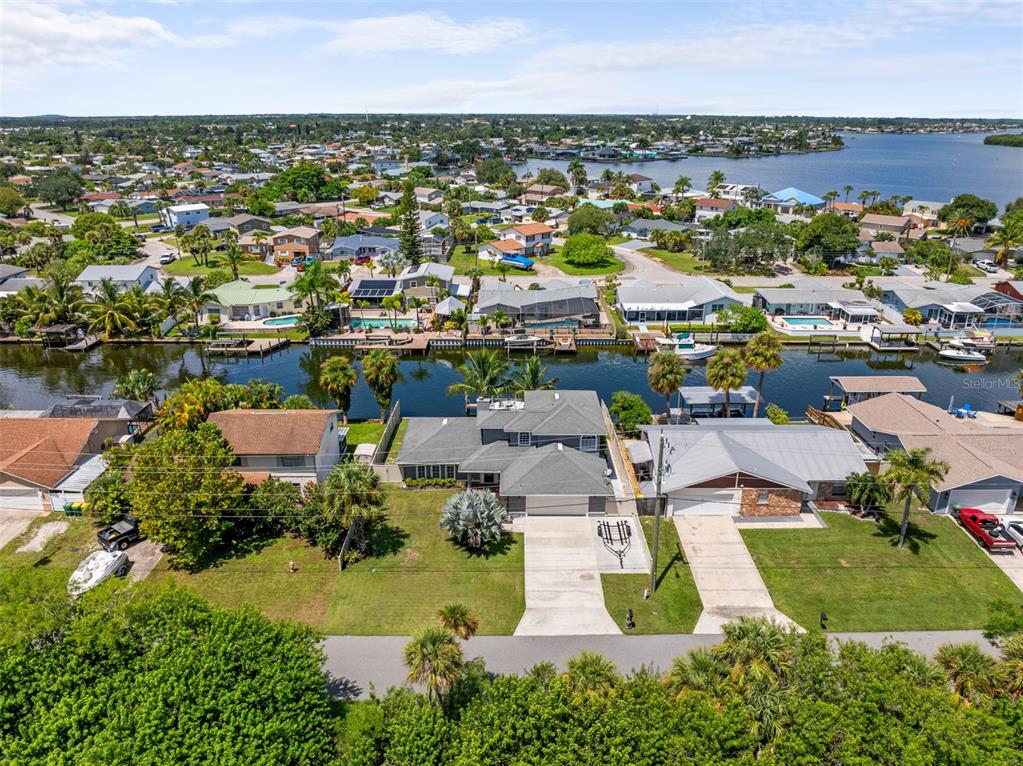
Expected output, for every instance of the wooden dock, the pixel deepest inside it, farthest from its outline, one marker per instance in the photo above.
(246, 346)
(646, 342)
(84, 344)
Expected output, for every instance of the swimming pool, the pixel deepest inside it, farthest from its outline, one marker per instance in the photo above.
(281, 321)
(552, 324)
(822, 322)
(401, 324)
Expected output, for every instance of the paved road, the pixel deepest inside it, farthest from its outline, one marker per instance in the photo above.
(357, 664)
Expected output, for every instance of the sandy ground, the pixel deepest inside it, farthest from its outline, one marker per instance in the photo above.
(44, 534)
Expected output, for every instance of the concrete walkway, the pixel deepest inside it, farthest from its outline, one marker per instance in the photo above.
(563, 592)
(729, 583)
(357, 664)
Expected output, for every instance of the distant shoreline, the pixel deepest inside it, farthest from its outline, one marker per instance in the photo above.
(1005, 139)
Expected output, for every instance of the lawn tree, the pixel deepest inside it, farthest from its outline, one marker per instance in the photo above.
(182, 488)
(459, 619)
(276, 505)
(763, 355)
(62, 188)
(587, 250)
(832, 233)
(726, 372)
(350, 501)
(474, 518)
(867, 490)
(911, 474)
(590, 219)
(665, 375)
(629, 411)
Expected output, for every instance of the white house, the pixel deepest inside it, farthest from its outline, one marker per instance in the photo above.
(431, 220)
(123, 277)
(641, 184)
(187, 215)
(426, 195)
(536, 237)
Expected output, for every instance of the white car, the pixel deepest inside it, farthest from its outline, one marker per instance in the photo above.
(1015, 530)
(986, 265)
(95, 569)
(167, 258)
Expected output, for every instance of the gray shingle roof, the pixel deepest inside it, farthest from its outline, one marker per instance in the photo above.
(692, 292)
(558, 413)
(439, 440)
(553, 470)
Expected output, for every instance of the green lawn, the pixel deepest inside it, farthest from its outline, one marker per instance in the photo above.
(365, 433)
(464, 261)
(940, 581)
(674, 607)
(617, 239)
(686, 262)
(557, 260)
(416, 570)
(185, 267)
(399, 437)
(63, 552)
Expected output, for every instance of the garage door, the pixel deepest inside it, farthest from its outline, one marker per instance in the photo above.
(706, 502)
(987, 500)
(557, 505)
(20, 499)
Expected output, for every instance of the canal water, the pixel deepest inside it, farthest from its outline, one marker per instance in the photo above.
(32, 377)
(932, 167)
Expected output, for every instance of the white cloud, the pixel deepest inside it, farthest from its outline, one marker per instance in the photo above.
(425, 31)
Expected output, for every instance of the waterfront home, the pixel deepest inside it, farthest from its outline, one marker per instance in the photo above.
(544, 453)
(298, 242)
(642, 228)
(297, 446)
(984, 452)
(708, 207)
(124, 277)
(242, 300)
(373, 290)
(536, 237)
(693, 300)
(747, 467)
(559, 301)
(361, 245)
(428, 279)
(788, 199)
(49, 460)
(810, 297)
(641, 184)
(952, 306)
(923, 213)
(851, 210)
(188, 215)
(740, 192)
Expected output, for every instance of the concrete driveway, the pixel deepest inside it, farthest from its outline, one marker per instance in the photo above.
(729, 583)
(13, 523)
(563, 592)
(144, 555)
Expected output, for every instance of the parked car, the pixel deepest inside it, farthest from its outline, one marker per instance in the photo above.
(362, 260)
(159, 228)
(167, 258)
(987, 265)
(986, 528)
(120, 535)
(97, 568)
(779, 268)
(1015, 530)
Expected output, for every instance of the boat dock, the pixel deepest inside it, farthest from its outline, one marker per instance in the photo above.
(645, 341)
(245, 346)
(83, 344)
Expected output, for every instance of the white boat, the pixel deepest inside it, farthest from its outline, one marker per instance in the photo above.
(687, 348)
(95, 569)
(975, 340)
(525, 341)
(954, 354)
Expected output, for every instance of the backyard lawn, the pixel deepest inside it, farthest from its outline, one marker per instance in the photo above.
(674, 607)
(399, 436)
(415, 570)
(852, 571)
(464, 261)
(365, 433)
(63, 552)
(185, 267)
(686, 262)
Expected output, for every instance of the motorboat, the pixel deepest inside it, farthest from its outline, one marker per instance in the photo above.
(687, 348)
(525, 341)
(975, 340)
(965, 355)
(96, 568)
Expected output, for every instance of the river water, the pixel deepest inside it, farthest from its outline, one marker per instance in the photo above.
(31, 376)
(932, 167)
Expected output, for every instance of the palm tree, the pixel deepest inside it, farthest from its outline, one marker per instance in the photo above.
(682, 185)
(756, 651)
(911, 474)
(763, 354)
(338, 378)
(392, 305)
(138, 385)
(483, 375)
(971, 671)
(577, 174)
(434, 659)
(699, 671)
(416, 304)
(1010, 669)
(666, 374)
(108, 315)
(380, 369)
(474, 273)
(315, 284)
(196, 297)
(259, 237)
(501, 319)
(351, 498)
(179, 236)
(233, 255)
(591, 675)
(170, 297)
(713, 182)
(847, 188)
(459, 620)
(726, 372)
(867, 490)
(1004, 241)
(830, 197)
(532, 376)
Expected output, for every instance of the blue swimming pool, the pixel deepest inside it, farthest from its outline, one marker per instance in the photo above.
(552, 324)
(281, 321)
(401, 324)
(822, 322)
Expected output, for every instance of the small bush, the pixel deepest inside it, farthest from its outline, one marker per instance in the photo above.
(432, 483)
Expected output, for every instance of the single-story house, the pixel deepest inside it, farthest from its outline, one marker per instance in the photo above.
(539, 193)
(1012, 288)
(748, 467)
(810, 297)
(851, 210)
(361, 245)
(484, 206)
(893, 224)
(123, 277)
(543, 454)
(569, 302)
(642, 228)
(858, 388)
(426, 195)
(693, 299)
(373, 289)
(242, 300)
(448, 306)
(984, 454)
(954, 306)
(788, 199)
(298, 446)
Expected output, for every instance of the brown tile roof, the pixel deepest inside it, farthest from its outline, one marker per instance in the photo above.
(273, 432)
(849, 207)
(526, 229)
(507, 245)
(878, 219)
(43, 451)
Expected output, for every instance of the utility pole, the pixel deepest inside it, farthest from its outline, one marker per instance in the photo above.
(657, 514)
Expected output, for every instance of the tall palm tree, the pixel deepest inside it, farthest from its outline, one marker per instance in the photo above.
(911, 474)
(259, 236)
(459, 620)
(380, 369)
(415, 304)
(392, 305)
(434, 659)
(714, 182)
(483, 375)
(726, 371)
(338, 378)
(847, 188)
(170, 297)
(179, 238)
(351, 498)
(666, 374)
(233, 255)
(972, 672)
(591, 675)
(315, 284)
(196, 297)
(1004, 241)
(108, 312)
(763, 354)
(532, 376)
(59, 302)
(577, 174)
(682, 185)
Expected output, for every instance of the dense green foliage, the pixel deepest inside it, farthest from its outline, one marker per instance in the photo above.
(591, 220)
(1004, 139)
(970, 207)
(587, 250)
(829, 235)
(629, 411)
(159, 678)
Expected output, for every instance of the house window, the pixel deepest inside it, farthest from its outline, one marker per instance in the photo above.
(524, 439)
(588, 444)
(763, 498)
(292, 461)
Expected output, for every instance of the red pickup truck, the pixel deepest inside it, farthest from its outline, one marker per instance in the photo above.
(986, 528)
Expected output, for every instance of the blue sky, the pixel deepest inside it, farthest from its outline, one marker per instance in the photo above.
(959, 58)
